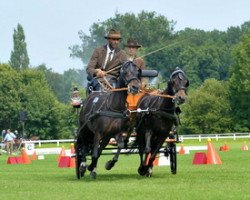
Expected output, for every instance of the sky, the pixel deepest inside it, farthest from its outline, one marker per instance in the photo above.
(52, 26)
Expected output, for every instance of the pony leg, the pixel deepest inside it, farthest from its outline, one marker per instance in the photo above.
(145, 154)
(155, 149)
(83, 164)
(111, 163)
(143, 168)
(148, 136)
(97, 151)
(80, 159)
(94, 157)
(150, 165)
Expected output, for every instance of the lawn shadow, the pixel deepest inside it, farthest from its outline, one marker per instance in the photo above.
(112, 177)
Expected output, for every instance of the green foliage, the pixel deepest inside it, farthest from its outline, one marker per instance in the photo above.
(240, 85)
(29, 91)
(9, 97)
(62, 84)
(201, 54)
(19, 57)
(73, 78)
(38, 101)
(204, 56)
(149, 28)
(207, 109)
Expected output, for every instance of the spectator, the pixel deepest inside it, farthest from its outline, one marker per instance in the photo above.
(9, 139)
(3, 134)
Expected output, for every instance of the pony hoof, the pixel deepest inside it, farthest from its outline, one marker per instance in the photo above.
(110, 164)
(149, 174)
(142, 170)
(82, 171)
(90, 167)
(93, 175)
(173, 172)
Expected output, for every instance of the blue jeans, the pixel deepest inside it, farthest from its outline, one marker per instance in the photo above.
(94, 85)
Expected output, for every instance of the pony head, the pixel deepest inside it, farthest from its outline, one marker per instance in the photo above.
(179, 84)
(130, 76)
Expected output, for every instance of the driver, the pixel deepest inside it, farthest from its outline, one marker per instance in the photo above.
(106, 58)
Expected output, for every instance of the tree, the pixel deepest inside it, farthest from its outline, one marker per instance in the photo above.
(240, 85)
(9, 97)
(62, 84)
(201, 54)
(41, 105)
(148, 27)
(27, 90)
(19, 57)
(207, 110)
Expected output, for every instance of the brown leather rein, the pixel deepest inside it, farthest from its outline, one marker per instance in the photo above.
(146, 92)
(150, 93)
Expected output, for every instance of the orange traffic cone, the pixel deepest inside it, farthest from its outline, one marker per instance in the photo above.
(72, 163)
(11, 160)
(160, 160)
(72, 148)
(244, 147)
(64, 162)
(199, 158)
(212, 156)
(225, 147)
(34, 156)
(156, 161)
(25, 157)
(182, 150)
(62, 153)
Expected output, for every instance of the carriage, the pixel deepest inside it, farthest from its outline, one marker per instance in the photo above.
(108, 114)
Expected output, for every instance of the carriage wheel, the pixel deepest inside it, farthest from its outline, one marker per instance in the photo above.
(173, 158)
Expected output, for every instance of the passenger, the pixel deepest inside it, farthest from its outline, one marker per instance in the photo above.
(131, 49)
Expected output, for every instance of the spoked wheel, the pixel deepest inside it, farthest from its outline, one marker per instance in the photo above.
(173, 158)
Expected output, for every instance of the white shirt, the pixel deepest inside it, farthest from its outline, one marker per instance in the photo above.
(107, 55)
(9, 137)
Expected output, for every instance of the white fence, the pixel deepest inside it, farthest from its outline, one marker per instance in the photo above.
(233, 136)
(217, 137)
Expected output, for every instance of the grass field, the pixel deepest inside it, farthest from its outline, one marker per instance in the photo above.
(44, 180)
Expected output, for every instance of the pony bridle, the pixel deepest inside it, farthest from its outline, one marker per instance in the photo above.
(181, 75)
(127, 81)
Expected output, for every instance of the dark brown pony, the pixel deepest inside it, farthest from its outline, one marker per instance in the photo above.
(103, 116)
(155, 125)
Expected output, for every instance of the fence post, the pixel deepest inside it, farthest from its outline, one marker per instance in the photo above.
(216, 136)
(57, 143)
(199, 138)
(39, 143)
(234, 137)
